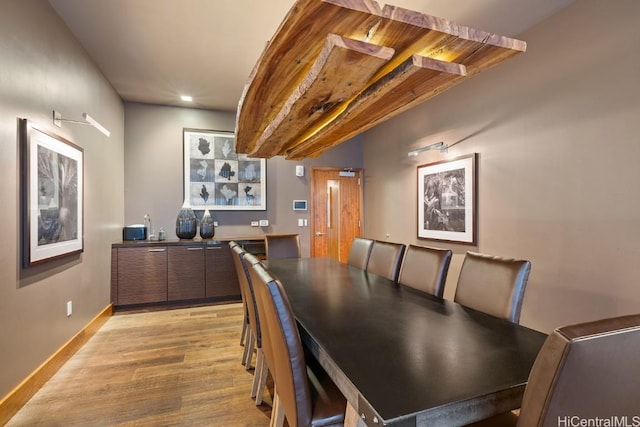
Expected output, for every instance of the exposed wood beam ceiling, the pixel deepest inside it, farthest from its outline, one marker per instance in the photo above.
(335, 68)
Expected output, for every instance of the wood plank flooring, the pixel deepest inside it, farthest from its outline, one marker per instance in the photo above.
(163, 368)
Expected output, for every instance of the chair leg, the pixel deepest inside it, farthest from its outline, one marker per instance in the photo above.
(257, 373)
(277, 412)
(247, 348)
(249, 351)
(262, 386)
(260, 378)
(243, 335)
(244, 351)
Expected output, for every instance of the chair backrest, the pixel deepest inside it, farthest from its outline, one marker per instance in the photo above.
(282, 246)
(285, 358)
(258, 277)
(492, 284)
(240, 273)
(425, 269)
(586, 371)
(359, 252)
(385, 259)
(242, 265)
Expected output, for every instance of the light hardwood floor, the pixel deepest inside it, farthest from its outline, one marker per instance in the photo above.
(176, 367)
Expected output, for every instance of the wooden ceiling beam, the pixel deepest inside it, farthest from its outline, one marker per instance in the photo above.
(341, 70)
(296, 102)
(413, 81)
(289, 55)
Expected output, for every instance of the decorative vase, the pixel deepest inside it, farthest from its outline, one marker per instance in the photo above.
(207, 228)
(186, 223)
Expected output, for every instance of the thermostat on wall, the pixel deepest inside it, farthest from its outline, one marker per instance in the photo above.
(299, 205)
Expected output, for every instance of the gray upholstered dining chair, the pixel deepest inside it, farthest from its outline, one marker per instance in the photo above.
(493, 285)
(282, 246)
(425, 269)
(385, 259)
(243, 261)
(359, 252)
(306, 397)
(587, 371)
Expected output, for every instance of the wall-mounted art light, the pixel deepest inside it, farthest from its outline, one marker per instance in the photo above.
(440, 145)
(88, 120)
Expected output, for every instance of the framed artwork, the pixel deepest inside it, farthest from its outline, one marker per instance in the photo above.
(217, 178)
(52, 175)
(447, 200)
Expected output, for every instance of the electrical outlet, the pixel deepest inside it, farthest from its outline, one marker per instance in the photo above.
(215, 223)
(264, 223)
(300, 222)
(255, 223)
(69, 308)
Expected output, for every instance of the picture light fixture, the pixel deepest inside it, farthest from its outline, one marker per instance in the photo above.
(441, 145)
(88, 120)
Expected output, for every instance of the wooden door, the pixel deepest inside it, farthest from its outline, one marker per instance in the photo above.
(336, 211)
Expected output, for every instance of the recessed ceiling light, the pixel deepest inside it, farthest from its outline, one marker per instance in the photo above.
(186, 98)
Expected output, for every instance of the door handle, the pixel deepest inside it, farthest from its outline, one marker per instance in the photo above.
(318, 234)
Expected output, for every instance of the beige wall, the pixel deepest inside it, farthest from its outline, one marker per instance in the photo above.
(556, 132)
(154, 173)
(43, 68)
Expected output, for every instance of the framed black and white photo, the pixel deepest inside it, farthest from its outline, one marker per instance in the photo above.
(447, 200)
(52, 173)
(217, 178)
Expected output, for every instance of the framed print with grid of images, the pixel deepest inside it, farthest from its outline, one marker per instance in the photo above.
(217, 178)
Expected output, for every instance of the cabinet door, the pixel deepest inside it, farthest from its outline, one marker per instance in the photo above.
(114, 275)
(185, 272)
(220, 272)
(142, 275)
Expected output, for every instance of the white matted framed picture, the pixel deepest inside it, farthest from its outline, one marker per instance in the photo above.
(447, 200)
(52, 179)
(217, 178)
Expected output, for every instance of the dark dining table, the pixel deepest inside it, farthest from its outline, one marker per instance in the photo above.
(402, 357)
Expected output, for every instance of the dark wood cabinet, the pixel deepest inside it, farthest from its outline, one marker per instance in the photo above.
(146, 272)
(185, 272)
(142, 275)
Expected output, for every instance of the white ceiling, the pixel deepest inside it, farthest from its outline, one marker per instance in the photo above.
(153, 51)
